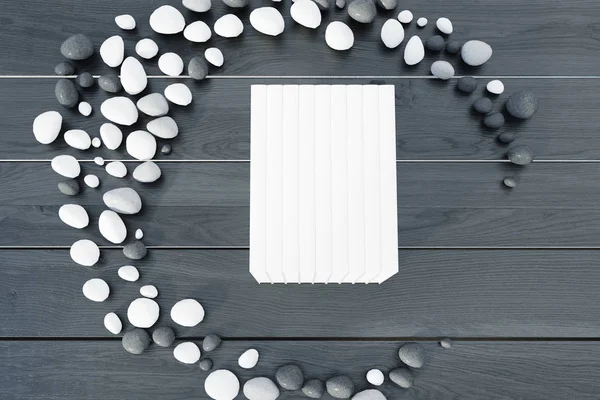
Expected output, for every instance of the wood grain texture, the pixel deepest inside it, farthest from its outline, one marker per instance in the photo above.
(434, 121)
(455, 293)
(563, 43)
(469, 370)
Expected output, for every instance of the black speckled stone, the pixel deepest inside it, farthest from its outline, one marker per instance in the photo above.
(70, 187)
(494, 121)
(412, 354)
(206, 364)
(467, 84)
(510, 182)
(110, 83)
(402, 377)
(362, 11)
(340, 387)
(314, 389)
(163, 336)
(211, 342)
(387, 4)
(77, 47)
(289, 377)
(483, 105)
(66, 93)
(506, 137)
(453, 47)
(520, 155)
(85, 80)
(197, 68)
(64, 68)
(135, 250)
(435, 43)
(522, 104)
(136, 341)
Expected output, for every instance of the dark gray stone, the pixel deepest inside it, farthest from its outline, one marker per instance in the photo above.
(362, 11)
(163, 336)
(483, 105)
(340, 3)
(494, 121)
(387, 4)
(77, 47)
(435, 43)
(314, 389)
(85, 80)
(135, 250)
(110, 83)
(66, 93)
(510, 182)
(340, 387)
(166, 149)
(64, 68)
(289, 377)
(197, 68)
(467, 84)
(211, 342)
(453, 47)
(522, 104)
(136, 341)
(206, 364)
(412, 354)
(70, 187)
(520, 155)
(506, 137)
(402, 377)
(236, 3)
(446, 343)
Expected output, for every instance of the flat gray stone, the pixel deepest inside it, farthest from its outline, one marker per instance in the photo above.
(520, 155)
(289, 377)
(313, 388)
(69, 188)
(494, 120)
(236, 3)
(340, 3)
(77, 47)
(412, 354)
(135, 250)
(483, 105)
(402, 377)
(467, 84)
(522, 104)
(340, 387)
(64, 68)
(136, 341)
(362, 11)
(453, 47)
(85, 80)
(166, 149)
(211, 342)
(110, 83)
(197, 68)
(509, 182)
(206, 364)
(387, 4)
(442, 70)
(475, 52)
(66, 93)
(506, 137)
(435, 43)
(163, 336)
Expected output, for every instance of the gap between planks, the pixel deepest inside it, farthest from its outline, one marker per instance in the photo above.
(246, 248)
(200, 161)
(323, 77)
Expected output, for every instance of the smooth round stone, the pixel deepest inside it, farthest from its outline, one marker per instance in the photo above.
(129, 273)
(141, 145)
(143, 312)
(66, 165)
(197, 68)
(170, 64)
(306, 13)
(313, 388)
(96, 142)
(522, 105)
(236, 3)
(113, 323)
(261, 389)
(405, 16)
(453, 47)
(133, 76)
(66, 93)
(414, 52)
(197, 5)
(323, 5)
(248, 359)
(467, 84)
(442, 70)
(111, 136)
(123, 200)
(163, 336)
(369, 394)
(179, 94)
(340, 387)
(494, 121)
(125, 22)
(149, 291)
(387, 4)
(495, 87)
(447, 343)
(375, 377)
(267, 20)
(110, 83)
(211, 342)
(85, 108)
(166, 149)
(228, 26)
(85, 80)
(146, 48)
(116, 169)
(506, 137)
(96, 290)
(520, 155)
(339, 36)
(289, 377)
(136, 341)
(476, 52)
(78, 139)
(187, 353)
(64, 68)
(147, 172)
(483, 105)
(392, 33)
(163, 127)
(402, 377)
(444, 25)
(167, 20)
(222, 384)
(77, 47)
(74, 215)
(206, 364)
(214, 56)
(422, 22)
(119, 110)
(85, 252)
(69, 188)
(412, 354)
(135, 250)
(153, 104)
(112, 51)
(435, 43)
(197, 32)
(187, 312)
(362, 11)
(91, 180)
(509, 182)
(46, 126)
(340, 4)
(139, 234)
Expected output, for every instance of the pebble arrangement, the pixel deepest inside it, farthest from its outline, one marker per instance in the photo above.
(121, 111)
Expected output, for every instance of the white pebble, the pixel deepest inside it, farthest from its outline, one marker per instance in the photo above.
(129, 273)
(92, 181)
(170, 64)
(78, 139)
(123, 200)
(96, 142)
(147, 172)
(197, 5)
(197, 32)
(119, 110)
(444, 25)
(222, 384)
(143, 312)
(113, 323)
(85, 252)
(141, 145)
(167, 20)
(163, 127)
(179, 94)
(153, 104)
(306, 13)
(112, 227)
(85, 108)
(133, 76)
(187, 312)
(414, 52)
(146, 48)
(405, 16)
(116, 169)
(98, 160)
(228, 26)
(149, 291)
(422, 22)
(214, 56)
(46, 126)
(111, 136)
(267, 20)
(392, 33)
(375, 377)
(96, 290)
(125, 22)
(66, 165)
(249, 359)
(74, 215)
(187, 353)
(495, 87)
(112, 51)
(139, 234)
(339, 36)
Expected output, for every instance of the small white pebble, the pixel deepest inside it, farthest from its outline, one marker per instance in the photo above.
(444, 25)
(129, 273)
(99, 161)
(146, 48)
(92, 181)
(249, 359)
(125, 22)
(113, 323)
(422, 22)
(85, 108)
(139, 234)
(375, 377)
(214, 56)
(495, 87)
(149, 291)
(96, 142)
(116, 169)
(446, 343)
(405, 17)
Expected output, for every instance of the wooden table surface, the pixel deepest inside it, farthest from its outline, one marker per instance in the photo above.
(511, 276)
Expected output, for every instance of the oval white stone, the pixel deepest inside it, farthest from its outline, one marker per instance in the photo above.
(74, 215)
(444, 25)
(46, 126)
(405, 16)
(187, 312)
(66, 165)
(197, 5)
(414, 52)
(91, 180)
(392, 33)
(369, 394)
(78, 139)
(495, 87)
(133, 76)
(306, 13)
(167, 20)
(141, 145)
(147, 172)
(143, 312)
(139, 234)
(111, 136)
(129, 273)
(123, 200)
(85, 252)
(197, 32)
(170, 64)
(146, 48)
(261, 388)
(119, 110)
(113, 323)
(214, 56)
(375, 377)
(96, 290)
(228, 26)
(339, 36)
(125, 22)
(422, 22)
(149, 291)
(116, 169)
(96, 142)
(112, 227)
(249, 359)
(153, 104)
(163, 127)
(179, 94)
(187, 353)
(476, 52)
(112, 51)
(222, 384)
(85, 108)
(98, 160)
(267, 20)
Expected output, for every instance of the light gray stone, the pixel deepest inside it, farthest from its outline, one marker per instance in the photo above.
(135, 250)
(136, 341)
(362, 11)
(387, 4)
(509, 182)
(412, 354)
(446, 343)
(340, 387)
(402, 377)
(166, 149)
(64, 68)
(442, 70)
(313, 388)
(236, 3)
(476, 52)
(211, 342)
(69, 188)
(289, 377)
(163, 336)
(206, 364)
(110, 83)
(77, 47)
(520, 155)
(261, 389)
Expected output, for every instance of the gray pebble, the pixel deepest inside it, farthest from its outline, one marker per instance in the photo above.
(522, 104)
(435, 43)
(135, 250)
(166, 149)
(324, 4)
(70, 187)
(387, 4)
(340, 387)
(197, 68)
(475, 52)
(85, 80)
(66, 93)
(290, 377)
(442, 70)
(136, 341)
(163, 336)
(483, 105)
(340, 3)
(520, 155)
(467, 84)
(64, 68)
(211, 342)
(402, 377)
(110, 83)
(412, 354)
(313, 388)
(446, 343)
(236, 3)
(77, 47)
(453, 47)
(206, 364)
(494, 121)
(506, 137)
(362, 11)
(510, 182)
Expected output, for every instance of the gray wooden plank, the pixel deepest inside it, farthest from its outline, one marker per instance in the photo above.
(469, 370)
(539, 37)
(455, 293)
(434, 121)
